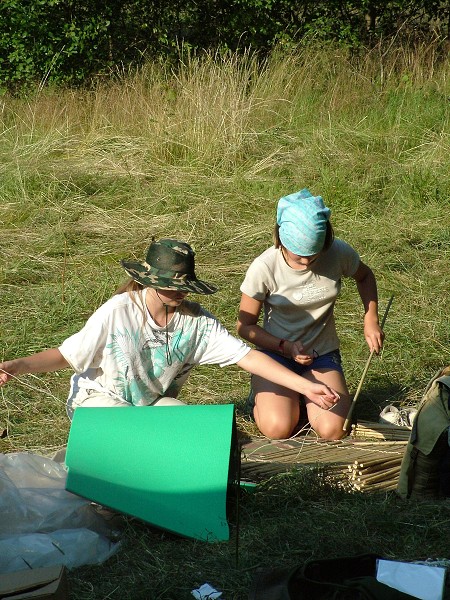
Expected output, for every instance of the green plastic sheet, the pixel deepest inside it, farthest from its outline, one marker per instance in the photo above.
(171, 466)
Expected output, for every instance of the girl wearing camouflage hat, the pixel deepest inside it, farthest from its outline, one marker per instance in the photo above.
(295, 284)
(140, 346)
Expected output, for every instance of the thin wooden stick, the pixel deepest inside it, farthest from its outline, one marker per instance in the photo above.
(347, 421)
(380, 476)
(378, 464)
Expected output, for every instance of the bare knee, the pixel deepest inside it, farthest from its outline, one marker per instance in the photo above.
(274, 426)
(275, 433)
(276, 412)
(331, 431)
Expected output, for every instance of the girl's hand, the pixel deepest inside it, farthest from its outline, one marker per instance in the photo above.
(373, 333)
(297, 353)
(4, 375)
(322, 395)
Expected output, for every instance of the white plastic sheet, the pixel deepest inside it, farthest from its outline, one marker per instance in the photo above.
(42, 524)
(70, 547)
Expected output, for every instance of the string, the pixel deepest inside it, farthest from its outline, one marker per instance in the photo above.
(32, 387)
(168, 354)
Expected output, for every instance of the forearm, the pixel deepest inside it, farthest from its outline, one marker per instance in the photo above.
(258, 363)
(48, 360)
(258, 336)
(367, 289)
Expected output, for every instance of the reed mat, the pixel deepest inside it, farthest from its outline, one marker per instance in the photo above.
(368, 459)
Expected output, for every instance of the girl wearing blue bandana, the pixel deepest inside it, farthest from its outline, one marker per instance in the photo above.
(295, 284)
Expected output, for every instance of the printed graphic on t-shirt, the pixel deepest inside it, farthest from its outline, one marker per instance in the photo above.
(310, 293)
(143, 360)
(131, 357)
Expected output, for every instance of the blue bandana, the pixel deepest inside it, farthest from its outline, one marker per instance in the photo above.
(303, 219)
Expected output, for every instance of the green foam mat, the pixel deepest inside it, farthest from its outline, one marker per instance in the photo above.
(171, 466)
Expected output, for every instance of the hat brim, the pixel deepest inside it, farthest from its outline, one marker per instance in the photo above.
(146, 277)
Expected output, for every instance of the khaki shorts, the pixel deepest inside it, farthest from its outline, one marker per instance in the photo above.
(98, 399)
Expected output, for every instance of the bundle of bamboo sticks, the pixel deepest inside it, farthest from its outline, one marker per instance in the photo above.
(383, 431)
(370, 475)
(367, 460)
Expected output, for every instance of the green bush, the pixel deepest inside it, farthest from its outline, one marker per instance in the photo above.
(73, 41)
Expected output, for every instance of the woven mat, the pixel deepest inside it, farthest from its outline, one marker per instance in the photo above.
(368, 442)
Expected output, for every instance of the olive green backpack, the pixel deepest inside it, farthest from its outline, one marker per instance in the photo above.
(425, 468)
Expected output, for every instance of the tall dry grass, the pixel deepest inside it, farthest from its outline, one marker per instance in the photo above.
(202, 153)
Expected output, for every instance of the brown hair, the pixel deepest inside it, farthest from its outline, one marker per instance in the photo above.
(329, 237)
(131, 287)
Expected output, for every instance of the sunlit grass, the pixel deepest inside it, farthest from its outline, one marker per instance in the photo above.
(203, 153)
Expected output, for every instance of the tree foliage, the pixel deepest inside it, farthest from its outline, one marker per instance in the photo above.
(71, 41)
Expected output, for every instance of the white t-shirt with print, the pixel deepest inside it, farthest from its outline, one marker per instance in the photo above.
(137, 361)
(298, 304)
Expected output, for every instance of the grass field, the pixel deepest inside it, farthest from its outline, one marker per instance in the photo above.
(203, 154)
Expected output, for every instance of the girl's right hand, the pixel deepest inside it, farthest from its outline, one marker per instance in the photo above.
(4, 374)
(297, 353)
(322, 395)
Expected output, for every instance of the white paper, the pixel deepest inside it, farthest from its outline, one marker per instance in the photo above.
(420, 581)
(206, 592)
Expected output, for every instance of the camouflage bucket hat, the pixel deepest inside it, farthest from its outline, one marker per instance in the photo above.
(169, 265)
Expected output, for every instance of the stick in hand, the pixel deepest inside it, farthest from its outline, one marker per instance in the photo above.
(347, 422)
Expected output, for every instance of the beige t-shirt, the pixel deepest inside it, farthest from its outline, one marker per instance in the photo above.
(299, 304)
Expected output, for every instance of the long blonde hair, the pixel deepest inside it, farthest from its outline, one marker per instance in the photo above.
(133, 289)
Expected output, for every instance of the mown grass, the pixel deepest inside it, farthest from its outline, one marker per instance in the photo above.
(203, 154)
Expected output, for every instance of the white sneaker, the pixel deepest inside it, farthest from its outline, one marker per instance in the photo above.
(403, 417)
(409, 414)
(391, 414)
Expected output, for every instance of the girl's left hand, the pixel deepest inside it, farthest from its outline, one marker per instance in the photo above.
(374, 334)
(297, 353)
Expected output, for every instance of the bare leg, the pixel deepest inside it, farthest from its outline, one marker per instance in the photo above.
(328, 424)
(277, 409)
